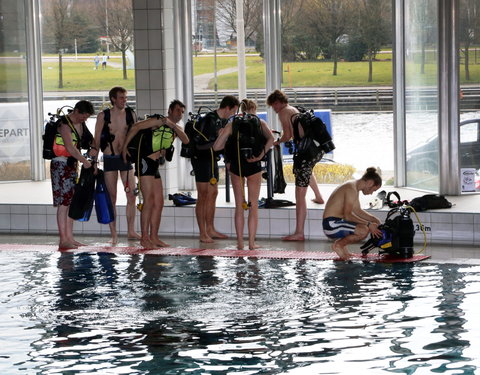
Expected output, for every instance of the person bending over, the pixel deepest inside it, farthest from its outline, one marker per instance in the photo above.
(154, 143)
(245, 168)
(343, 219)
(73, 136)
(302, 165)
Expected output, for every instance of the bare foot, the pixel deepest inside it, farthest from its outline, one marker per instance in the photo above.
(294, 237)
(215, 234)
(158, 242)
(114, 240)
(341, 251)
(253, 246)
(318, 201)
(240, 246)
(146, 243)
(134, 236)
(76, 243)
(206, 239)
(67, 245)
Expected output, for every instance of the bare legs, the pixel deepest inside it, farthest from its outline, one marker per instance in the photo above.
(314, 185)
(111, 179)
(253, 186)
(301, 215)
(205, 211)
(340, 245)
(156, 215)
(65, 229)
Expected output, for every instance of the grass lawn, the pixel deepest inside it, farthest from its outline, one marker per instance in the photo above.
(315, 74)
(79, 75)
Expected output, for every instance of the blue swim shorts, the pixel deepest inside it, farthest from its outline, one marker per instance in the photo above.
(335, 227)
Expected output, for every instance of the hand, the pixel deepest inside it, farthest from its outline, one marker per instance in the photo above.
(87, 164)
(373, 229)
(124, 155)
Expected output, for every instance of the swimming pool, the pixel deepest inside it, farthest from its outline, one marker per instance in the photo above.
(99, 313)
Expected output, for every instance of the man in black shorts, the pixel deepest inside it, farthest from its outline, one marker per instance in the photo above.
(205, 167)
(110, 132)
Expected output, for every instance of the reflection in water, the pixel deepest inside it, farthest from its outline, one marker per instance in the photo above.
(137, 314)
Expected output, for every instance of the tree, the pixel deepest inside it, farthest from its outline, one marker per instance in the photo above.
(291, 12)
(59, 26)
(329, 19)
(373, 16)
(226, 14)
(469, 22)
(120, 26)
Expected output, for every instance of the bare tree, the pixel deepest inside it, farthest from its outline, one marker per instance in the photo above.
(120, 26)
(226, 14)
(373, 16)
(291, 11)
(469, 29)
(58, 25)
(329, 19)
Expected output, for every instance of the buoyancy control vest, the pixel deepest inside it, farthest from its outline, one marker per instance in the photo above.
(80, 142)
(315, 138)
(247, 138)
(149, 141)
(107, 138)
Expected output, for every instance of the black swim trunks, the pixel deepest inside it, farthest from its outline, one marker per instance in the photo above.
(204, 169)
(148, 167)
(247, 169)
(302, 169)
(115, 163)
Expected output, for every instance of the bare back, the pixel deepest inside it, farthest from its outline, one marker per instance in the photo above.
(343, 201)
(285, 116)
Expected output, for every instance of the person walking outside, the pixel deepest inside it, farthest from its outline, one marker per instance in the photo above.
(104, 62)
(96, 61)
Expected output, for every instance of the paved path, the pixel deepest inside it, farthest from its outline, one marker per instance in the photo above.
(201, 81)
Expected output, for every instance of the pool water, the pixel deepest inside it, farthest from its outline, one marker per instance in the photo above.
(85, 313)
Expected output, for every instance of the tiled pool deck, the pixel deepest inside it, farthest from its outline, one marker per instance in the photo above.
(26, 208)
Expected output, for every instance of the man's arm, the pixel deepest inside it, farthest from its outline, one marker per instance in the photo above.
(98, 133)
(223, 137)
(177, 129)
(141, 125)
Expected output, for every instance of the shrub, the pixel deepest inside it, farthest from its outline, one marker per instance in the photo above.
(15, 171)
(325, 173)
(355, 50)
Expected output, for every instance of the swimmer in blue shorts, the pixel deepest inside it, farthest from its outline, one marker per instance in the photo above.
(343, 219)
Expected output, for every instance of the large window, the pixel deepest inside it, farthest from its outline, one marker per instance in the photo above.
(421, 94)
(337, 59)
(14, 115)
(469, 69)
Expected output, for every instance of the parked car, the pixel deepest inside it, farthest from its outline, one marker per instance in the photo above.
(425, 157)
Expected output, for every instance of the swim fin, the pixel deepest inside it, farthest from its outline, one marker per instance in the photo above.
(103, 204)
(82, 201)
